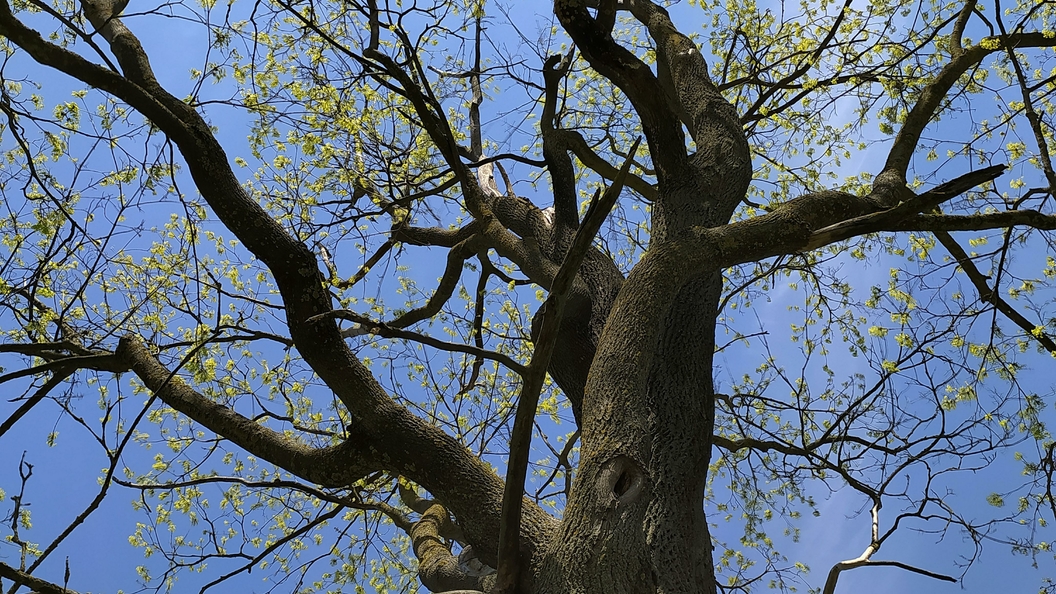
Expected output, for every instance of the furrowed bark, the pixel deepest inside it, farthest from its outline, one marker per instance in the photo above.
(511, 559)
(635, 520)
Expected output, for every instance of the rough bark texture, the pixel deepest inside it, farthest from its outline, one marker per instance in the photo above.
(635, 355)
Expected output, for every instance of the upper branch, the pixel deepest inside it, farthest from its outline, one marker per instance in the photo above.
(712, 121)
(661, 125)
(933, 94)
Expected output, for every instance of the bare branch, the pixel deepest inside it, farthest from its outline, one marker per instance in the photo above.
(991, 296)
(369, 326)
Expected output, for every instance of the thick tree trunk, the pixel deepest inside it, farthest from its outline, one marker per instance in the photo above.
(635, 520)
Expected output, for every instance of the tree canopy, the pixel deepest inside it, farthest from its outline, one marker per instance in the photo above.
(590, 296)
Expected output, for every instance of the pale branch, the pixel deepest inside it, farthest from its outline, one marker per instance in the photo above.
(38, 585)
(834, 573)
(865, 559)
(511, 556)
(991, 295)
(486, 179)
(524, 218)
(369, 326)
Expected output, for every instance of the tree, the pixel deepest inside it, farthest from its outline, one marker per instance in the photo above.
(369, 136)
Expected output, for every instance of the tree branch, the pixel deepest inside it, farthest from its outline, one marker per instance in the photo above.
(662, 127)
(38, 585)
(334, 466)
(991, 296)
(933, 94)
(511, 557)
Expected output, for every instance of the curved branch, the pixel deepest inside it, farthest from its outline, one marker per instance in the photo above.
(662, 127)
(456, 258)
(438, 569)
(933, 94)
(334, 466)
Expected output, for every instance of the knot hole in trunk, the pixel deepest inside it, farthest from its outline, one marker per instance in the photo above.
(622, 479)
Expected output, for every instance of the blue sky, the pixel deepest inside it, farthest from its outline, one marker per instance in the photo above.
(102, 560)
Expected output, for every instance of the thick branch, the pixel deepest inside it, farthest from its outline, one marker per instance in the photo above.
(805, 223)
(335, 466)
(884, 219)
(38, 585)
(438, 569)
(712, 120)
(935, 92)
